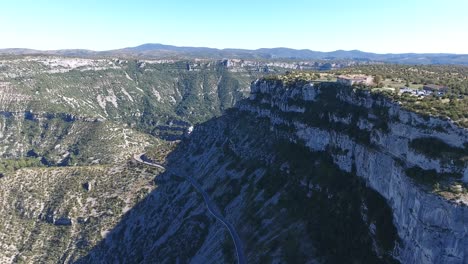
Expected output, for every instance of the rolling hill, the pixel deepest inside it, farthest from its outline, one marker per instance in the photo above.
(150, 50)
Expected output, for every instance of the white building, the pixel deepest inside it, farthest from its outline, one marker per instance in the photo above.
(354, 79)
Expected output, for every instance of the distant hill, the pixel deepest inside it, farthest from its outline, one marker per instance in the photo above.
(167, 51)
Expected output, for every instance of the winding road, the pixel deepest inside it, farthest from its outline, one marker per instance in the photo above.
(212, 208)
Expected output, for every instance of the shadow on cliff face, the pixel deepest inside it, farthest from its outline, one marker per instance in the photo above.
(291, 204)
(169, 225)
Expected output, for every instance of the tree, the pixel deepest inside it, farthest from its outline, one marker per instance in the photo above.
(377, 80)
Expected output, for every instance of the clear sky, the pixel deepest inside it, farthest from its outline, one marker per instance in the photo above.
(370, 25)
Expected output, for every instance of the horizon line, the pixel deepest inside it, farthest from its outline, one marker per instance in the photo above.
(224, 49)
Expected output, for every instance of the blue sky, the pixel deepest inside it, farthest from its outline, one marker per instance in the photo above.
(376, 26)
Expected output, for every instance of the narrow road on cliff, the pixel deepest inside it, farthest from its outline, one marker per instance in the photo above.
(212, 208)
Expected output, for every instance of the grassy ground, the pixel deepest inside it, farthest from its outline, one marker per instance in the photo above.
(397, 83)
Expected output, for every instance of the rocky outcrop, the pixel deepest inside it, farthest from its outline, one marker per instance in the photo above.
(373, 137)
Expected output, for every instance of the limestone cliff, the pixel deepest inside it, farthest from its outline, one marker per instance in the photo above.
(307, 173)
(375, 138)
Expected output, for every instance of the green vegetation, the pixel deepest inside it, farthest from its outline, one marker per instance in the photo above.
(228, 250)
(293, 78)
(51, 193)
(334, 209)
(330, 113)
(11, 165)
(436, 148)
(453, 104)
(289, 188)
(426, 177)
(157, 98)
(449, 106)
(159, 151)
(453, 76)
(440, 183)
(318, 113)
(330, 212)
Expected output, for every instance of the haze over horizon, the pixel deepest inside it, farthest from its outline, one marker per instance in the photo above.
(397, 27)
(234, 48)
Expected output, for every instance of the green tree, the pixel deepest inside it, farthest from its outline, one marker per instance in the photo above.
(377, 80)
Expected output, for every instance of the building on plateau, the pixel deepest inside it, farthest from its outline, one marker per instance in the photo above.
(354, 79)
(432, 88)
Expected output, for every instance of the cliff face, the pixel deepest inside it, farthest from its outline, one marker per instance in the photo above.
(306, 174)
(288, 204)
(377, 140)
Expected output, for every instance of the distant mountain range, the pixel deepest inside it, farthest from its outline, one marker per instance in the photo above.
(174, 52)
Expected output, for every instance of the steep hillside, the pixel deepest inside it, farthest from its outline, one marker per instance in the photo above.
(158, 96)
(60, 139)
(288, 204)
(65, 181)
(389, 148)
(306, 174)
(49, 215)
(68, 128)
